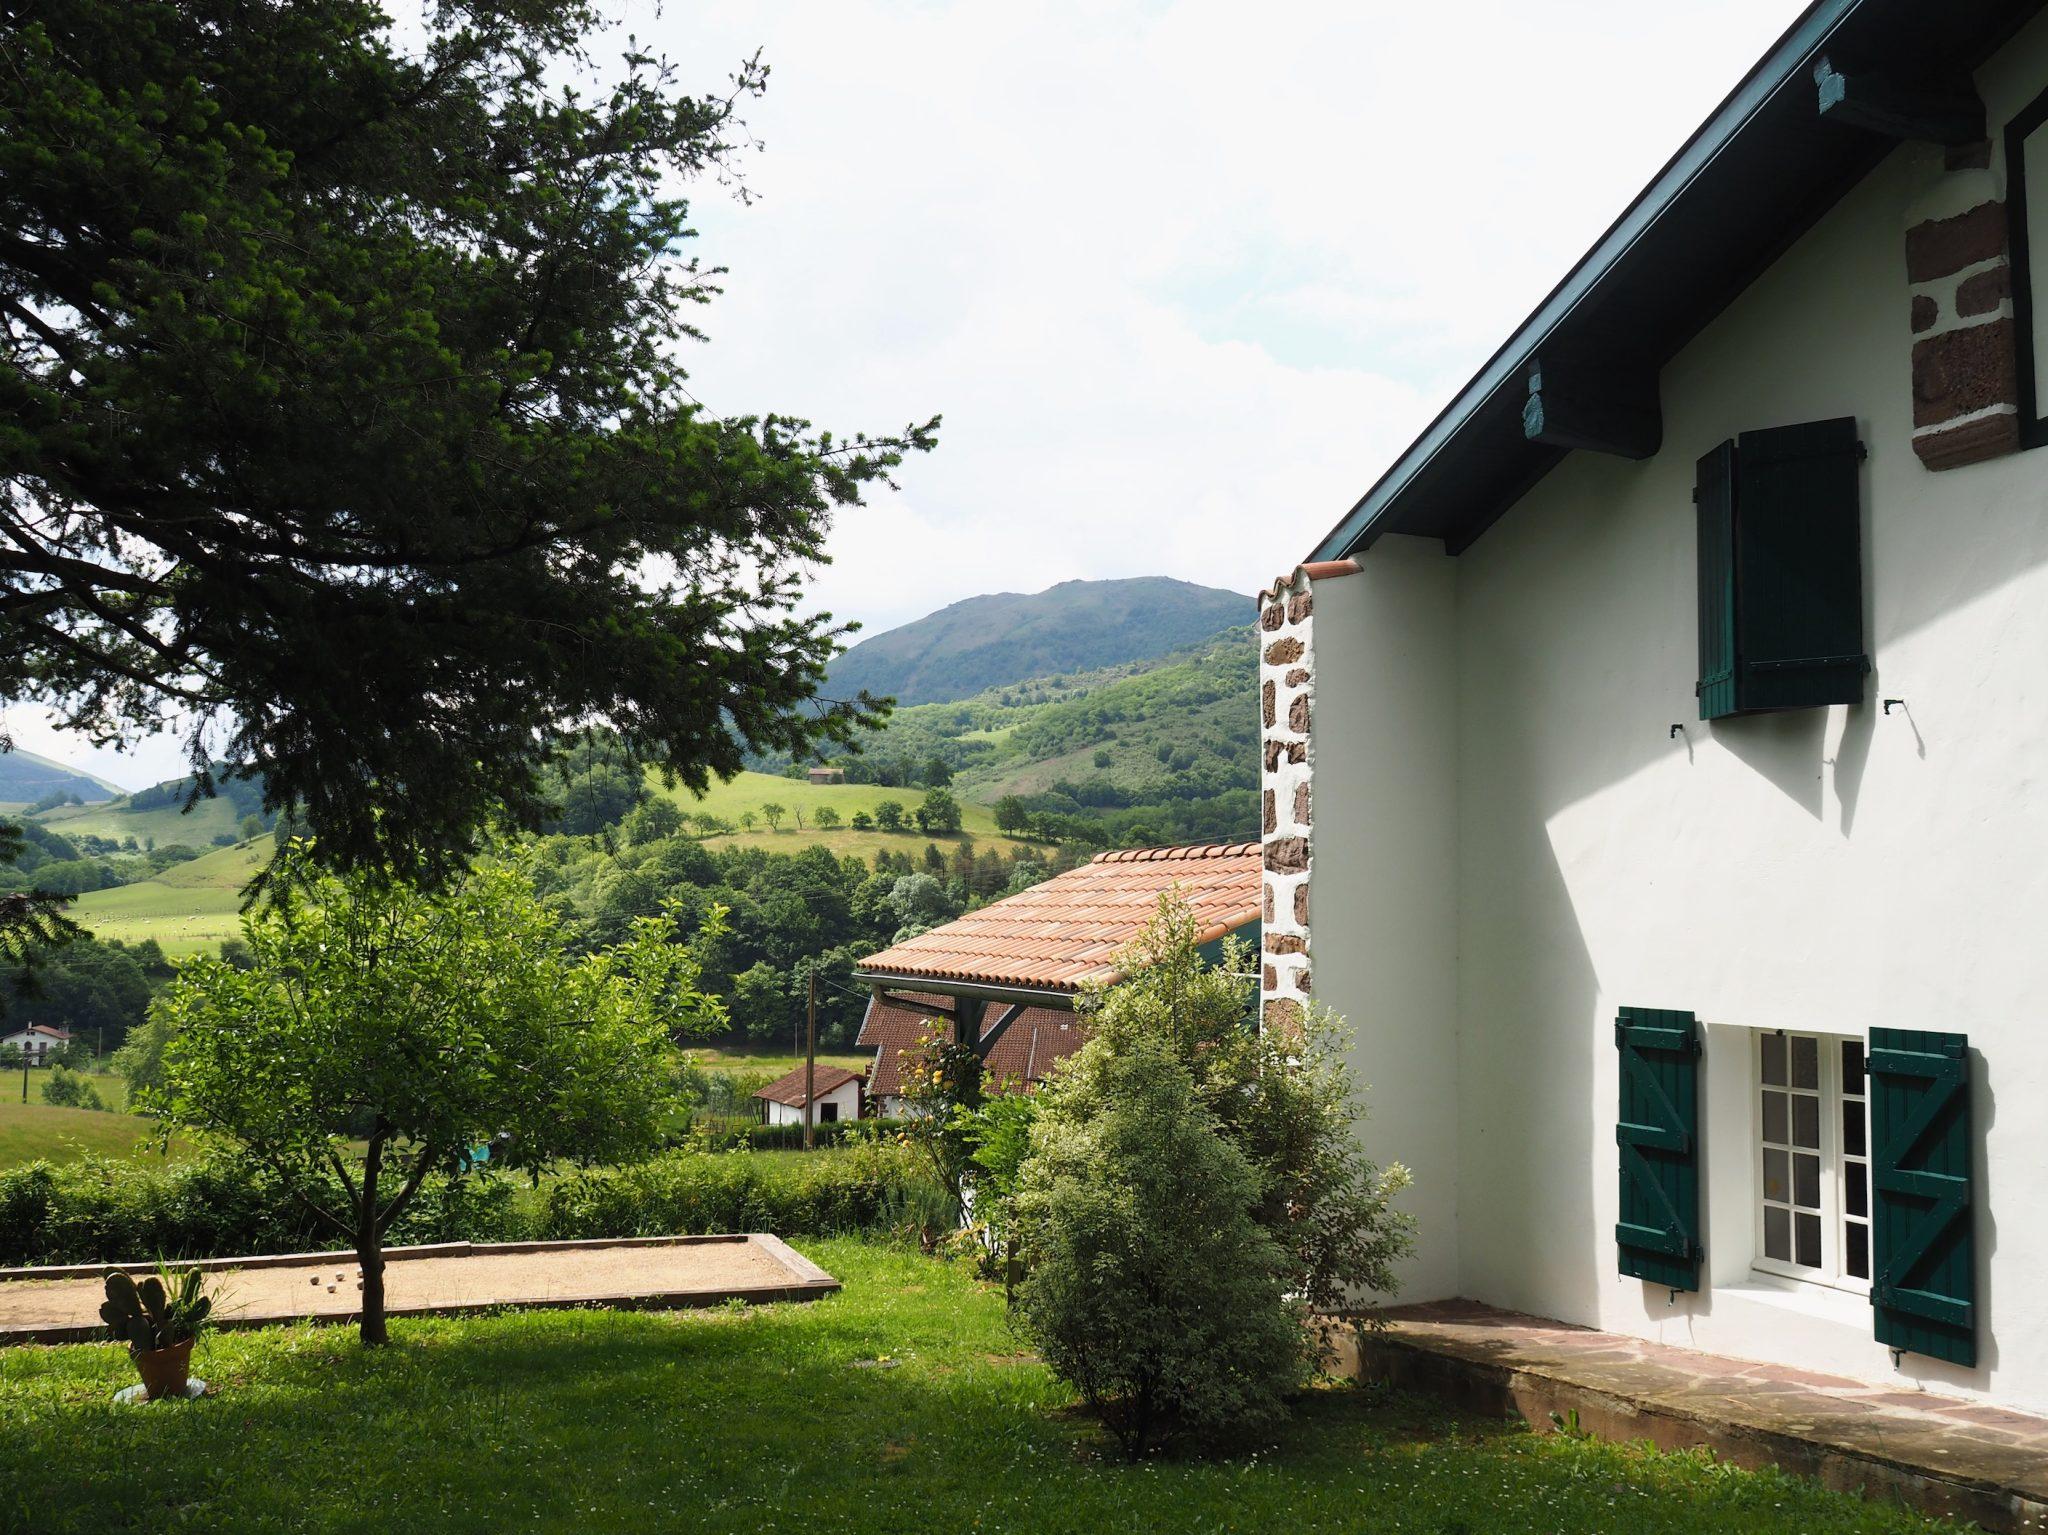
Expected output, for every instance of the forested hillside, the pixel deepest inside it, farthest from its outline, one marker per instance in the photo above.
(1008, 637)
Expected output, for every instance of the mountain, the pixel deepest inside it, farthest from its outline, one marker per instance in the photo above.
(26, 778)
(1007, 637)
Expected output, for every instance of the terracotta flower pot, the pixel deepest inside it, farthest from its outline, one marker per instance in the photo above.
(165, 1371)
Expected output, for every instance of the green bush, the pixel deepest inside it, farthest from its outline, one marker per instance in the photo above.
(218, 1205)
(1149, 1286)
(69, 1090)
(854, 1189)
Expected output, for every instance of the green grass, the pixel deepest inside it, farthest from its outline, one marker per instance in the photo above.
(738, 1058)
(902, 1404)
(34, 1130)
(189, 908)
(207, 819)
(750, 791)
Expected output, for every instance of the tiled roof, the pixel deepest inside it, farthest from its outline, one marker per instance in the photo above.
(49, 1029)
(788, 1090)
(1024, 1052)
(1064, 932)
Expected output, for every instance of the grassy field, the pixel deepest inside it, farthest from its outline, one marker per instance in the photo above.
(207, 819)
(731, 1058)
(902, 1404)
(750, 791)
(34, 1130)
(188, 908)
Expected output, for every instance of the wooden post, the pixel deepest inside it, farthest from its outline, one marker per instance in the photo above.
(811, 1062)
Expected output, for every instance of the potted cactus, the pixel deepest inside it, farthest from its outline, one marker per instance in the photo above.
(157, 1319)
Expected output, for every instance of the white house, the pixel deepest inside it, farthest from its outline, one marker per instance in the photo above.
(37, 1041)
(838, 1090)
(1654, 755)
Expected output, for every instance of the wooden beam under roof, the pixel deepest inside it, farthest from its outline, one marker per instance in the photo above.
(1598, 408)
(1950, 115)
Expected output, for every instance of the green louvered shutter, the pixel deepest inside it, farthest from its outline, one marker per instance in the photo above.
(1714, 496)
(1657, 1133)
(1923, 1283)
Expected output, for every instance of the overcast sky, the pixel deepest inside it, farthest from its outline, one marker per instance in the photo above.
(1182, 276)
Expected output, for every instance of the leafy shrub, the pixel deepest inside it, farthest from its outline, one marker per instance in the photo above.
(689, 1192)
(1150, 1287)
(69, 1090)
(220, 1204)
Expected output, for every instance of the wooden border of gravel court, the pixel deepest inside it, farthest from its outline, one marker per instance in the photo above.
(806, 1281)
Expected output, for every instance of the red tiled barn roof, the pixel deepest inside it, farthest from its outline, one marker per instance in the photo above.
(1026, 1051)
(788, 1090)
(1062, 933)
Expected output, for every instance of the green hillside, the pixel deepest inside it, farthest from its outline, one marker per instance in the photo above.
(1007, 637)
(1167, 746)
(26, 778)
(118, 819)
(188, 908)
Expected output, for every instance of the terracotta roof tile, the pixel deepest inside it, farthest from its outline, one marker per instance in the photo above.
(788, 1090)
(1066, 931)
(1026, 1051)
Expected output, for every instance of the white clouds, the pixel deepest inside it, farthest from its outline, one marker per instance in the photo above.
(1183, 277)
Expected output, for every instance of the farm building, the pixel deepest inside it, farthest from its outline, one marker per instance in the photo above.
(826, 775)
(1653, 754)
(839, 1096)
(37, 1041)
(1007, 977)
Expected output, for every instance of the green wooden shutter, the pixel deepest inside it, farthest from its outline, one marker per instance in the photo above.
(1658, 1136)
(1923, 1283)
(1781, 570)
(1799, 566)
(1714, 496)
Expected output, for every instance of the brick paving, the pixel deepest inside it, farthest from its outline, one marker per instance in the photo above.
(1968, 1460)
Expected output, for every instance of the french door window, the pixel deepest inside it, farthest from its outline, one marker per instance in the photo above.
(1813, 1159)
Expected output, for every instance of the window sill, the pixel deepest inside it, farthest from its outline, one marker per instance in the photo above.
(1806, 1297)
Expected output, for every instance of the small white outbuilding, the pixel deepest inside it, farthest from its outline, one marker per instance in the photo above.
(838, 1091)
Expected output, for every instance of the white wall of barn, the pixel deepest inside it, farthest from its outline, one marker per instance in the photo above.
(1825, 870)
(844, 1098)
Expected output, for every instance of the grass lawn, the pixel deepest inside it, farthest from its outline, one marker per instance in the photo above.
(750, 791)
(902, 1405)
(33, 1130)
(189, 908)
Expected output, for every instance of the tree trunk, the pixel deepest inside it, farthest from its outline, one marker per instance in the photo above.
(370, 1247)
(370, 1257)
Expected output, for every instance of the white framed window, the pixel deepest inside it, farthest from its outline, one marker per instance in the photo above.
(1812, 1140)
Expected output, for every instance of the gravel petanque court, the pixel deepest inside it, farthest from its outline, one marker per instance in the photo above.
(61, 1305)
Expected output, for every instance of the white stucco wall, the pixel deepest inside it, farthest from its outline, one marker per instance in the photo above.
(1821, 870)
(846, 1096)
(1383, 893)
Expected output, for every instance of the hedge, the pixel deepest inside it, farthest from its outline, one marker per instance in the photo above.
(104, 1210)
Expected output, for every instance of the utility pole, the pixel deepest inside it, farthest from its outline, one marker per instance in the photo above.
(811, 1062)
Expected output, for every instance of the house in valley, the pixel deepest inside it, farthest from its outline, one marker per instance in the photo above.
(838, 1091)
(1653, 755)
(825, 775)
(1006, 978)
(37, 1041)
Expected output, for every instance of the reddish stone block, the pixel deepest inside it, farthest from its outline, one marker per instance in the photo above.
(1943, 247)
(1297, 713)
(1958, 372)
(1281, 652)
(1265, 903)
(1272, 616)
(1301, 804)
(1266, 702)
(1297, 677)
(1983, 292)
(1271, 980)
(1286, 943)
(1925, 313)
(1300, 606)
(1971, 443)
(1287, 855)
(1272, 821)
(1301, 904)
(1301, 979)
(1281, 1013)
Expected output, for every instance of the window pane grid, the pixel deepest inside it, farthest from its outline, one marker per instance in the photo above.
(1813, 1160)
